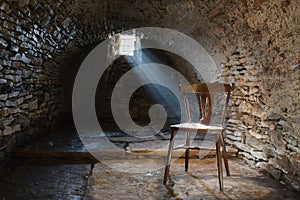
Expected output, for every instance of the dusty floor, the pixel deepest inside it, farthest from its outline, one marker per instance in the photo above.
(59, 167)
(43, 179)
(200, 183)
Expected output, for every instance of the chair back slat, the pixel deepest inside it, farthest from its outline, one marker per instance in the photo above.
(206, 108)
(187, 108)
(199, 88)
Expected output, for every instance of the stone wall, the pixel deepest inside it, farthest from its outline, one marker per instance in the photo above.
(255, 45)
(264, 122)
(31, 39)
(267, 139)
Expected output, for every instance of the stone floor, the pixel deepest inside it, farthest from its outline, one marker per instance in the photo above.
(43, 179)
(60, 167)
(200, 183)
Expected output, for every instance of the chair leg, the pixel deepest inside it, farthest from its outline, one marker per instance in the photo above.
(187, 154)
(226, 161)
(219, 164)
(187, 151)
(168, 164)
(224, 152)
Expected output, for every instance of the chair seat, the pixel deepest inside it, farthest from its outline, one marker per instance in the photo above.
(196, 127)
(210, 146)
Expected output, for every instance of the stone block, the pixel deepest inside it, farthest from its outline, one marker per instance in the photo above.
(253, 142)
(13, 94)
(283, 163)
(28, 97)
(247, 155)
(242, 127)
(269, 150)
(245, 107)
(3, 81)
(293, 148)
(3, 97)
(249, 119)
(278, 141)
(258, 111)
(283, 123)
(20, 101)
(33, 105)
(8, 121)
(274, 116)
(16, 128)
(242, 146)
(258, 155)
(258, 135)
(25, 59)
(232, 137)
(9, 77)
(264, 166)
(3, 43)
(233, 121)
(238, 133)
(4, 112)
(295, 161)
(291, 139)
(7, 130)
(266, 124)
(250, 162)
(15, 110)
(18, 78)
(253, 84)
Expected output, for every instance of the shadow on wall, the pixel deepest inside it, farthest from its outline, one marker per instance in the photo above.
(141, 100)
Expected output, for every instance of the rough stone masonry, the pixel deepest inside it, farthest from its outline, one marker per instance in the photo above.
(255, 44)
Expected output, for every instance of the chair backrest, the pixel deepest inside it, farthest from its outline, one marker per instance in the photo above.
(206, 92)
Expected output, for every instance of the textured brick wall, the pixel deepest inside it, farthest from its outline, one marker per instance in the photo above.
(254, 43)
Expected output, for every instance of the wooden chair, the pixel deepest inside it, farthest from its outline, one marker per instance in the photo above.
(206, 93)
